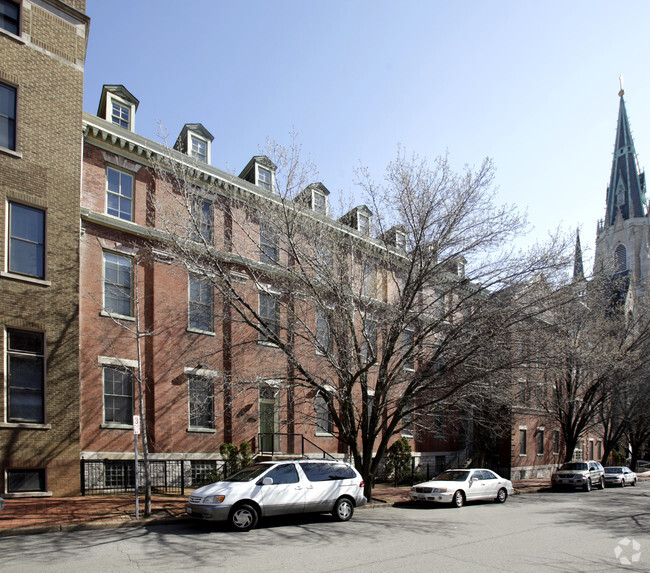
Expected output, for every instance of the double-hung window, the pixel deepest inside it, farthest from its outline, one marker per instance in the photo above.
(268, 244)
(201, 224)
(118, 284)
(201, 402)
(26, 240)
(264, 178)
(270, 316)
(118, 395)
(324, 422)
(10, 16)
(199, 149)
(121, 114)
(369, 345)
(408, 348)
(323, 332)
(200, 311)
(7, 117)
(25, 376)
(319, 203)
(119, 194)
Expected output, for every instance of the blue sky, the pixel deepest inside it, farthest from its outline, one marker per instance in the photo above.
(533, 85)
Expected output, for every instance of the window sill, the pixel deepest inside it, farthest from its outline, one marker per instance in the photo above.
(201, 430)
(523, 455)
(110, 426)
(324, 435)
(16, 495)
(25, 426)
(266, 343)
(13, 36)
(117, 316)
(11, 152)
(540, 455)
(199, 331)
(25, 279)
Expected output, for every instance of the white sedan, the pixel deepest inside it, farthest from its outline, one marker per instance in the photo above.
(620, 475)
(461, 485)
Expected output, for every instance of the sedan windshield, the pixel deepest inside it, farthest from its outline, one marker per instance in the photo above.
(453, 475)
(577, 466)
(613, 470)
(249, 473)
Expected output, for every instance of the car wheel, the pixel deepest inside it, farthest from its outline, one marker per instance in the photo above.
(634, 482)
(343, 509)
(502, 495)
(459, 499)
(243, 517)
(622, 482)
(601, 485)
(587, 486)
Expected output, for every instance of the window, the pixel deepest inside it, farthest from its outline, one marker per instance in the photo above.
(25, 376)
(120, 114)
(21, 481)
(323, 333)
(199, 149)
(268, 244)
(408, 341)
(368, 287)
(439, 423)
(620, 258)
(363, 223)
(369, 345)
(327, 471)
(556, 442)
(119, 194)
(201, 402)
(7, 116)
(10, 16)
(400, 241)
(286, 473)
(264, 178)
(200, 311)
(201, 212)
(270, 315)
(540, 442)
(324, 423)
(118, 291)
(522, 442)
(408, 421)
(319, 203)
(202, 472)
(26, 240)
(119, 474)
(118, 395)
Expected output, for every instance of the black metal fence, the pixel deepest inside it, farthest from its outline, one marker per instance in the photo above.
(167, 476)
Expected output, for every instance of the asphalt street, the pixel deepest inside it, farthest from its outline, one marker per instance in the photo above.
(543, 532)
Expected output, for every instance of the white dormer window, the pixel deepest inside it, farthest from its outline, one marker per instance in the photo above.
(199, 149)
(319, 203)
(264, 178)
(120, 114)
(363, 222)
(400, 241)
(461, 269)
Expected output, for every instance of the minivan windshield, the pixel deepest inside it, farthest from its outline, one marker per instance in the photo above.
(452, 475)
(249, 473)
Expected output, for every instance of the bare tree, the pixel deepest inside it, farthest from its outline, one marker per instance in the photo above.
(387, 313)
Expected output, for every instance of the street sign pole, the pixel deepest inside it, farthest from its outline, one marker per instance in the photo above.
(136, 433)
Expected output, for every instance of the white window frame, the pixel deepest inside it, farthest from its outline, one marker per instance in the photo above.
(113, 98)
(127, 367)
(261, 181)
(207, 306)
(523, 445)
(209, 382)
(194, 138)
(319, 202)
(363, 223)
(322, 412)
(119, 192)
(273, 320)
(117, 286)
(323, 332)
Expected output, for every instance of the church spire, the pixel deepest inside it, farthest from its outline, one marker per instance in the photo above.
(626, 190)
(578, 270)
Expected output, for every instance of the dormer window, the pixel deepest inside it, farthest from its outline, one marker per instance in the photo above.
(199, 149)
(118, 106)
(363, 223)
(461, 269)
(264, 178)
(400, 241)
(319, 203)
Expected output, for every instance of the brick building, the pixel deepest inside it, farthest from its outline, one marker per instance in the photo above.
(42, 53)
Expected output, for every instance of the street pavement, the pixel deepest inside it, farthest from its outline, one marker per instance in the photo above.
(24, 516)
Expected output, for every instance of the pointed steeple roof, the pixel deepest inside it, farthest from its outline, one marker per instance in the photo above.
(578, 269)
(626, 190)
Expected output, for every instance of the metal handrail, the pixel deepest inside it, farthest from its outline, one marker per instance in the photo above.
(273, 435)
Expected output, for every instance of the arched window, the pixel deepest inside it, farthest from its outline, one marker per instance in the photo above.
(620, 258)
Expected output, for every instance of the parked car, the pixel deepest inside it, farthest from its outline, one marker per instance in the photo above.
(278, 488)
(620, 475)
(585, 474)
(460, 485)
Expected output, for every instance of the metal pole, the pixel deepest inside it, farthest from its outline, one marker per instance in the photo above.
(136, 433)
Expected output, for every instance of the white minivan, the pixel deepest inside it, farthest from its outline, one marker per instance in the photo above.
(278, 488)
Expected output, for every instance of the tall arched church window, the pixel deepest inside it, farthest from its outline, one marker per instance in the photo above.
(620, 258)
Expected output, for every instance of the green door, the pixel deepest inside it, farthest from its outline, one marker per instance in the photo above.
(267, 424)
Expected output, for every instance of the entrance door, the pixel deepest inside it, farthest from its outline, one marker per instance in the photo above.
(268, 419)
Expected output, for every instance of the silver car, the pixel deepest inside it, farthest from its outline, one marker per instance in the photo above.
(620, 475)
(585, 475)
(278, 488)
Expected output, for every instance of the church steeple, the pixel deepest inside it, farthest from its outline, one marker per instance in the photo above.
(578, 270)
(626, 190)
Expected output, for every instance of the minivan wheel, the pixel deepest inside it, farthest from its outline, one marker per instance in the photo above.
(459, 499)
(243, 517)
(343, 509)
(587, 486)
(502, 495)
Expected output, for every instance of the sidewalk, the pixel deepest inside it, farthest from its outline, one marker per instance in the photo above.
(42, 515)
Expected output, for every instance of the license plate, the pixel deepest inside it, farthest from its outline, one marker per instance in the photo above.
(422, 496)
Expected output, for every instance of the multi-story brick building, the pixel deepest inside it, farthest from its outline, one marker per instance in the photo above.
(42, 54)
